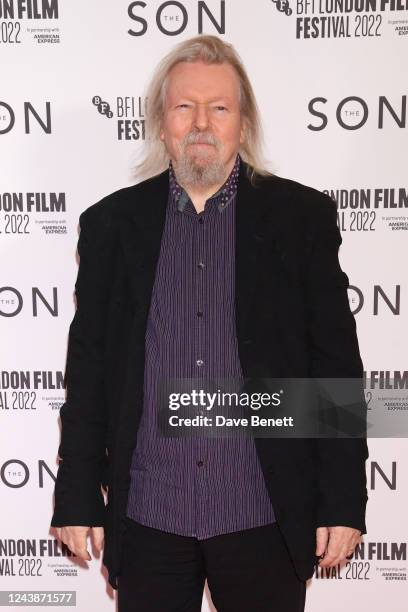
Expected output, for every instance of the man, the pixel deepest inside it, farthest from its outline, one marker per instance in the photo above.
(212, 267)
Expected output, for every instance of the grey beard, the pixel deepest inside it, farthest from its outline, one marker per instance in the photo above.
(192, 174)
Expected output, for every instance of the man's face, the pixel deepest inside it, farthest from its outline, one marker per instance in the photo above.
(202, 127)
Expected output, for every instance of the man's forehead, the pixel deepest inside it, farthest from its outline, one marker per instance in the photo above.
(185, 80)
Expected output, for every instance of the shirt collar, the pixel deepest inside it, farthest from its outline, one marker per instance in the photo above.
(224, 194)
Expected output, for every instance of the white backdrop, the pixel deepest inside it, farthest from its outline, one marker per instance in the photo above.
(333, 103)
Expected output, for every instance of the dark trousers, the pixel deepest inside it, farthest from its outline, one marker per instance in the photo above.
(246, 571)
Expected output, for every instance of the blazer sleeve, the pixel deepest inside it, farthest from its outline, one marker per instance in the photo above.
(82, 450)
(342, 483)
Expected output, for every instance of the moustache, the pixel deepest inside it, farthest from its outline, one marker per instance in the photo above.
(193, 139)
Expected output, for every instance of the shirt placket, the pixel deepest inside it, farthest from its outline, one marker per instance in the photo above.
(200, 250)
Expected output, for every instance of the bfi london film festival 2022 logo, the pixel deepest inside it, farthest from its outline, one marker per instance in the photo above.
(24, 212)
(361, 209)
(386, 395)
(17, 19)
(345, 18)
(365, 208)
(128, 114)
(31, 391)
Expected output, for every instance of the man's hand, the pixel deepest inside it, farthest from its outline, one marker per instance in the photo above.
(335, 543)
(75, 539)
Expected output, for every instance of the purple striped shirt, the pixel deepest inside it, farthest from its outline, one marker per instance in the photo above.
(195, 486)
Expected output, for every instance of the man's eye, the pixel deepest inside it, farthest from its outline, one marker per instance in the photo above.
(182, 106)
(221, 107)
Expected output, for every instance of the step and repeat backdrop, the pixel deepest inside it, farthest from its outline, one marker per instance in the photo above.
(330, 78)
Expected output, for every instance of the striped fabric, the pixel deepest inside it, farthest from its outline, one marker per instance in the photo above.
(195, 486)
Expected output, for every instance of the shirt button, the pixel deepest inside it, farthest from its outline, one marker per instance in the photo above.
(200, 264)
(200, 463)
(201, 220)
(199, 362)
(200, 313)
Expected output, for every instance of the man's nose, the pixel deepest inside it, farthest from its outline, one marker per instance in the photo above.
(201, 116)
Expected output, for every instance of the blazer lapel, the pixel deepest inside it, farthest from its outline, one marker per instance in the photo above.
(258, 232)
(140, 234)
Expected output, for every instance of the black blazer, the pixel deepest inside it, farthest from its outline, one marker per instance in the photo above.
(292, 320)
